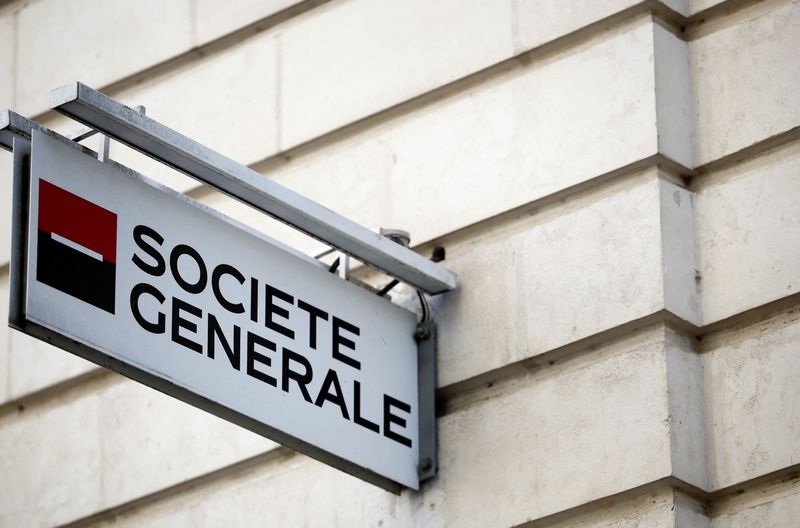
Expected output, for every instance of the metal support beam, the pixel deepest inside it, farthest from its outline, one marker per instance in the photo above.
(153, 139)
(14, 125)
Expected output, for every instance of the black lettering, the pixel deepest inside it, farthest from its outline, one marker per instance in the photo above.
(340, 340)
(253, 357)
(157, 269)
(272, 308)
(216, 275)
(389, 419)
(301, 379)
(233, 352)
(325, 394)
(160, 326)
(363, 422)
(314, 313)
(177, 252)
(179, 322)
(253, 300)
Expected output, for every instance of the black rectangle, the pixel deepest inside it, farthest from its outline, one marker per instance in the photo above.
(75, 273)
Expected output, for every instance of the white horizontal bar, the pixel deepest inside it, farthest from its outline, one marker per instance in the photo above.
(153, 139)
(77, 247)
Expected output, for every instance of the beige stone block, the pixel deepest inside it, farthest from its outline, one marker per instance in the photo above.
(37, 460)
(113, 442)
(679, 261)
(527, 135)
(545, 443)
(34, 365)
(688, 421)
(158, 441)
(7, 60)
(351, 59)
(745, 82)
(235, 118)
(777, 507)
(215, 18)
(499, 145)
(560, 438)
(673, 87)
(94, 41)
(753, 401)
(550, 279)
(748, 225)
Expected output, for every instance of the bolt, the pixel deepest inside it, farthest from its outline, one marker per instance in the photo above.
(426, 464)
(422, 333)
(397, 235)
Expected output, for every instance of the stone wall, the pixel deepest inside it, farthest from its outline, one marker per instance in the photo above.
(616, 184)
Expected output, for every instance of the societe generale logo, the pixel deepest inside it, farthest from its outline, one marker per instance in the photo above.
(77, 246)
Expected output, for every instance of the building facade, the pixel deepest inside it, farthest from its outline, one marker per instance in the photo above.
(616, 184)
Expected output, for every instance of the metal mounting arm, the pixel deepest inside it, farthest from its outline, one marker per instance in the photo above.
(153, 139)
(14, 125)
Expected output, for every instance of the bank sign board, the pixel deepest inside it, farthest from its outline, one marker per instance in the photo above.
(140, 279)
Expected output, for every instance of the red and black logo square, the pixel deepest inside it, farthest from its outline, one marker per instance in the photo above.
(77, 251)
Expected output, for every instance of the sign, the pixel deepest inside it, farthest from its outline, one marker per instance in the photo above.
(143, 280)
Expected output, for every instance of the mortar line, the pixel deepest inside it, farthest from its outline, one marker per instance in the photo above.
(706, 500)
(723, 15)
(273, 456)
(603, 503)
(65, 389)
(777, 142)
(766, 486)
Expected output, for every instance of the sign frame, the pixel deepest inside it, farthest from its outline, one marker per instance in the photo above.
(425, 337)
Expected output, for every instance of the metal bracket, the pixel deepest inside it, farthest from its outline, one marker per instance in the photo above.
(13, 125)
(160, 142)
(425, 336)
(104, 143)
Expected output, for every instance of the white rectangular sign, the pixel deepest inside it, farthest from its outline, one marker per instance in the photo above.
(162, 289)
